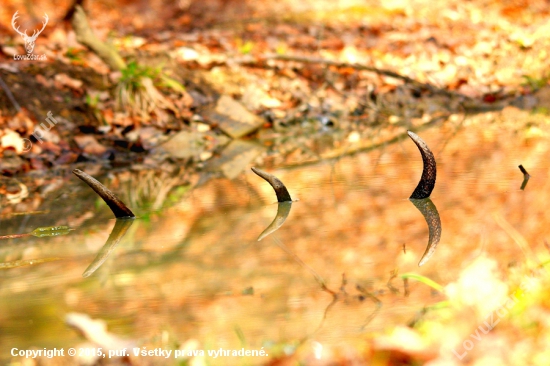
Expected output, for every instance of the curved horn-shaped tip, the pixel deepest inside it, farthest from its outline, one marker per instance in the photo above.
(278, 186)
(427, 181)
(115, 204)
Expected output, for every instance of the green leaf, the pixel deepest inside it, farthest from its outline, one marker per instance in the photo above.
(26, 262)
(51, 231)
(424, 280)
(172, 84)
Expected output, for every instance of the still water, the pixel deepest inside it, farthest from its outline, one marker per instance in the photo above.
(193, 274)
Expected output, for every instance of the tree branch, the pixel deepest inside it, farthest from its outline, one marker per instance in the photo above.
(86, 36)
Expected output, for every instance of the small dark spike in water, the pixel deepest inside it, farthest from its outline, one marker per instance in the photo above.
(525, 174)
(526, 177)
(278, 186)
(115, 204)
(427, 181)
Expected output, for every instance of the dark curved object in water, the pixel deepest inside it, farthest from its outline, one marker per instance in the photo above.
(427, 181)
(429, 211)
(115, 204)
(526, 177)
(118, 232)
(278, 186)
(283, 209)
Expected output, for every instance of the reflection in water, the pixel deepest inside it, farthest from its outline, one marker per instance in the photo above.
(342, 295)
(283, 209)
(118, 232)
(318, 278)
(429, 211)
(191, 285)
(524, 183)
(337, 296)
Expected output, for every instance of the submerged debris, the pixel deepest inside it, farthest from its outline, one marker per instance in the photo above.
(427, 181)
(115, 204)
(278, 186)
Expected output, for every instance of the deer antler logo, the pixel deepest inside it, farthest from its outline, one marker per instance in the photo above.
(29, 40)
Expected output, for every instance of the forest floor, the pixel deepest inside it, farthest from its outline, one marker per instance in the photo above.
(298, 79)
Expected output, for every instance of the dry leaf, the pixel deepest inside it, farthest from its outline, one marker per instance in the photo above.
(89, 145)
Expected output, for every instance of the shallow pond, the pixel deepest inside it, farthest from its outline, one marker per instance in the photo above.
(194, 274)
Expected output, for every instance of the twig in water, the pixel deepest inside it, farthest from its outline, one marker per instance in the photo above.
(115, 204)
(318, 278)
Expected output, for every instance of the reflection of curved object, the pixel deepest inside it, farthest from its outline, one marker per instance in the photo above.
(427, 181)
(278, 186)
(283, 210)
(428, 210)
(524, 183)
(118, 232)
(115, 204)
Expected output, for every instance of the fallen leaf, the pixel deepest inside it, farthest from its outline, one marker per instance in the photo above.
(89, 145)
(185, 145)
(62, 80)
(233, 118)
(13, 140)
(236, 156)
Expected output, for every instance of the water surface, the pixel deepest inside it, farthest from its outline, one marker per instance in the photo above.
(195, 271)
